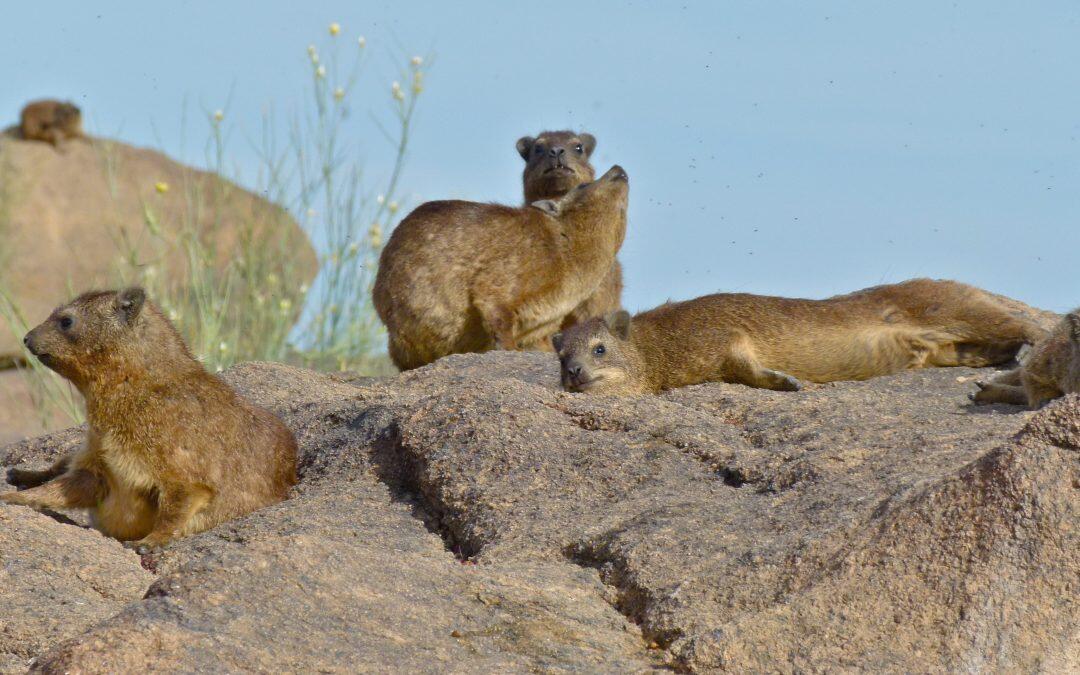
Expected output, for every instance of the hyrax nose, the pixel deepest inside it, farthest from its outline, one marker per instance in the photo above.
(574, 371)
(557, 152)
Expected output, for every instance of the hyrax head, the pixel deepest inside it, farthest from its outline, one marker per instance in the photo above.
(82, 335)
(555, 162)
(66, 112)
(607, 194)
(596, 356)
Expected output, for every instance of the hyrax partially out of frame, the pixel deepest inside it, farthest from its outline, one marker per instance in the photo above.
(555, 163)
(466, 277)
(51, 121)
(171, 449)
(773, 343)
(1051, 369)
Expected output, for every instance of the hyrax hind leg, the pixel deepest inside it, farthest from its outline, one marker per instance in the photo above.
(28, 478)
(742, 366)
(988, 334)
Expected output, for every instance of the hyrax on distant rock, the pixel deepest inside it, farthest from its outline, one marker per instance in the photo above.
(51, 121)
(171, 449)
(555, 163)
(466, 277)
(1051, 369)
(773, 343)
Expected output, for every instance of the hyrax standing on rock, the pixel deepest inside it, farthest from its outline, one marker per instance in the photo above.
(466, 277)
(171, 449)
(772, 343)
(1051, 369)
(51, 121)
(555, 163)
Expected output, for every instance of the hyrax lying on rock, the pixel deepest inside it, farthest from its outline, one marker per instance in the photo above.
(773, 343)
(555, 163)
(171, 449)
(1051, 369)
(466, 277)
(51, 121)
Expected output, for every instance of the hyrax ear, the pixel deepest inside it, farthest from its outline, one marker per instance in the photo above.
(129, 302)
(557, 341)
(548, 206)
(589, 141)
(524, 146)
(619, 324)
(1074, 325)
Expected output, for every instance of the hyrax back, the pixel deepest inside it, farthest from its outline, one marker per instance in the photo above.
(51, 121)
(466, 277)
(171, 449)
(773, 343)
(555, 163)
(1051, 370)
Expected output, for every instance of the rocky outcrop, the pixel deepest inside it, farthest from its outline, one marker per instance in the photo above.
(470, 517)
(69, 215)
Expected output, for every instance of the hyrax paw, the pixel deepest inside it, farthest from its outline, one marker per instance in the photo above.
(786, 382)
(15, 498)
(146, 545)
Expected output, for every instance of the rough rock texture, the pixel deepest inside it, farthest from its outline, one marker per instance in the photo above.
(62, 213)
(469, 517)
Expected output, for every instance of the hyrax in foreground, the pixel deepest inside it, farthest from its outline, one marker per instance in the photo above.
(171, 449)
(465, 277)
(773, 343)
(51, 121)
(1051, 369)
(555, 163)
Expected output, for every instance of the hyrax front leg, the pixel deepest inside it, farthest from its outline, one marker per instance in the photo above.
(28, 478)
(993, 392)
(499, 320)
(76, 489)
(177, 505)
(743, 367)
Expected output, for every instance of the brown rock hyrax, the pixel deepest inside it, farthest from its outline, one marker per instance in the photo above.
(51, 121)
(465, 277)
(171, 449)
(1051, 369)
(773, 343)
(555, 163)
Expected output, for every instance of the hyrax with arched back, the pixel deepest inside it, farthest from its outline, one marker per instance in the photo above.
(1050, 370)
(555, 163)
(51, 121)
(465, 277)
(773, 343)
(171, 449)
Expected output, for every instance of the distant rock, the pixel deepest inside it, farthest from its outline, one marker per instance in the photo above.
(62, 212)
(470, 517)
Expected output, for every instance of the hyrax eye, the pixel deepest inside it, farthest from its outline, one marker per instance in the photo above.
(599, 350)
(66, 323)
(579, 149)
(538, 150)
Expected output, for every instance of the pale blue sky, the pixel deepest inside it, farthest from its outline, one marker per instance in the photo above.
(787, 148)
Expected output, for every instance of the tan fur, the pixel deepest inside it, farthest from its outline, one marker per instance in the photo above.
(466, 277)
(555, 163)
(171, 449)
(51, 121)
(773, 343)
(1051, 370)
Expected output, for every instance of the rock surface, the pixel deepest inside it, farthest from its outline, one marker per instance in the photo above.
(470, 517)
(62, 213)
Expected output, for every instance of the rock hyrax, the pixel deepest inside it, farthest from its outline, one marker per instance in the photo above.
(1050, 370)
(51, 121)
(171, 449)
(772, 343)
(555, 163)
(466, 277)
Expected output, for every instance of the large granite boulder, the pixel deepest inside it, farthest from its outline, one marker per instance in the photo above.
(470, 517)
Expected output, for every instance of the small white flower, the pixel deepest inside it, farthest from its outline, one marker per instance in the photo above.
(353, 248)
(320, 72)
(285, 304)
(335, 28)
(313, 54)
(219, 115)
(380, 199)
(339, 94)
(362, 41)
(395, 90)
(416, 61)
(303, 289)
(272, 279)
(223, 347)
(392, 207)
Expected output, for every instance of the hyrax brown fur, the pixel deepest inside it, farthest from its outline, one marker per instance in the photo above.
(171, 449)
(465, 277)
(51, 121)
(555, 163)
(773, 343)
(1051, 369)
